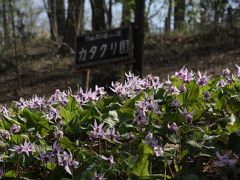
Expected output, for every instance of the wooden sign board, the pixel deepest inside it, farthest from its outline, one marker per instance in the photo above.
(104, 47)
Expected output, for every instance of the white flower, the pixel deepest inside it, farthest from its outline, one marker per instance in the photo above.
(158, 151)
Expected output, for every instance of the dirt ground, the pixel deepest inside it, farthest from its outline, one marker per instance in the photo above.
(42, 71)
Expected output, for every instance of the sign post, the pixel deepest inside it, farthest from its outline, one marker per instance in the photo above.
(113, 46)
(120, 45)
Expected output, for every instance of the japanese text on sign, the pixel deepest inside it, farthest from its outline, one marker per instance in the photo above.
(103, 46)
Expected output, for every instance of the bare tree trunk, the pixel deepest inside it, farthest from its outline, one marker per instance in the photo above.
(79, 17)
(168, 18)
(48, 6)
(230, 16)
(98, 15)
(56, 15)
(179, 14)
(5, 24)
(14, 43)
(109, 13)
(73, 27)
(60, 17)
(139, 37)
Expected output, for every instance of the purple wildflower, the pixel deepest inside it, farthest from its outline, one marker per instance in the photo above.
(221, 84)
(206, 95)
(55, 147)
(226, 72)
(59, 97)
(110, 159)
(167, 82)
(53, 114)
(4, 111)
(112, 134)
(46, 157)
(21, 104)
(148, 104)
(66, 160)
(130, 136)
(132, 86)
(182, 72)
(151, 140)
(15, 128)
(98, 176)
(184, 75)
(224, 160)
(182, 88)
(153, 82)
(202, 79)
(5, 134)
(99, 92)
(58, 134)
(81, 97)
(173, 90)
(1, 172)
(141, 118)
(175, 103)
(187, 115)
(36, 102)
(26, 148)
(97, 132)
(61, 124)
(173, 127)
(238, 70)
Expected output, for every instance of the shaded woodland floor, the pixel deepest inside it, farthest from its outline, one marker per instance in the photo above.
(43, 71)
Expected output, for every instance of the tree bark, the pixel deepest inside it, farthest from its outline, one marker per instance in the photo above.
(5, 24)
(109, 13)
(11, 4)
(60, 17)
(139, 37)
(56, 15)
(73, 27)
(179, 14)
(98, 15)
(168, 18)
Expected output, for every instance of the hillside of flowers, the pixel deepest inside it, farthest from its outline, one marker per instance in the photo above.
(187, 127)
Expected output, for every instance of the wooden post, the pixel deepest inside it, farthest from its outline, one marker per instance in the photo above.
(139, 37)
(85, 79)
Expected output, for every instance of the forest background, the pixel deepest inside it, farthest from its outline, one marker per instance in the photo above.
(38, 38)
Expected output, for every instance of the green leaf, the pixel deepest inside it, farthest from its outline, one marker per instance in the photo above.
(195, 145)
(17, 138)
(10, 173)
(111, 118)
(65, 142)
(141, 167)
(67, 115)
(130, 103)
(50, 166)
